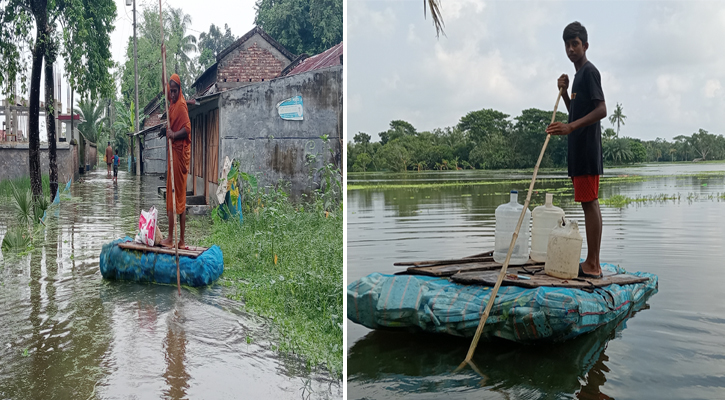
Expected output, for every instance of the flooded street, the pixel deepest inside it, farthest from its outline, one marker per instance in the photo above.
(673, 348)
(66, 333)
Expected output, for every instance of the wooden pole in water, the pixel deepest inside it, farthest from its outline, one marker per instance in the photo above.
(171, 151)
(494, 292)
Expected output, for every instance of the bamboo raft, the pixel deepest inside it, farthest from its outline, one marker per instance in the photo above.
(123, 259)
(448, 296)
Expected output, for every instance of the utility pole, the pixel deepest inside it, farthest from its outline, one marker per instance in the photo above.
(135, 74)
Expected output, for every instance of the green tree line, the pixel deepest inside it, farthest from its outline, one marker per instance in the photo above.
(490, 139)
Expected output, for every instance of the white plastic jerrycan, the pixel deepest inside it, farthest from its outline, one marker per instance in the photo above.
(564, 250)
(544, 219)
(507, 216)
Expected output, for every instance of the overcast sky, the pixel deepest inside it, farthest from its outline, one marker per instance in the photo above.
(238, 14)
(663, 61)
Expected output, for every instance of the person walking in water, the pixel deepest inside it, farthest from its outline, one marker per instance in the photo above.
(115, 167)
(586, 108)
(109, 158)
(179, 131)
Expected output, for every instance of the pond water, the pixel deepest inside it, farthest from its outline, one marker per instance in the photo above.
(673, 348)
(66, 333)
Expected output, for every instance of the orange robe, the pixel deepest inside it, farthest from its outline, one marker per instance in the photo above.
(178, 117)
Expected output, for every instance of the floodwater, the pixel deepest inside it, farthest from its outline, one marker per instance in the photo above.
(66, 333)
(673, 348)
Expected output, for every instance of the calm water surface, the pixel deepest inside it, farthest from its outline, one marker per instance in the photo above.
(673, 348)
(65, 333)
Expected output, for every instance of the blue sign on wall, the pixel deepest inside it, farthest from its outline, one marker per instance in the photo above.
(291, 109)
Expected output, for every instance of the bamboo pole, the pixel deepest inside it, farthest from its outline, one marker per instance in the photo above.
(494, 292)
(165, 84)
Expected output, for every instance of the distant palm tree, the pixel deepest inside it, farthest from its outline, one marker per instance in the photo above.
(617, 117)
(179, 22)
(92, 112)
(123, 125)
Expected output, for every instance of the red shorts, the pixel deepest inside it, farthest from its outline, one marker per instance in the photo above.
(586, 188)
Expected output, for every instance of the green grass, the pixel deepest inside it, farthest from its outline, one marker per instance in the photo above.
(22, 184)
(302, 291)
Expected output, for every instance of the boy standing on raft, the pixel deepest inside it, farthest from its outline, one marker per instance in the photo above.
(179, 131)
(586, 108)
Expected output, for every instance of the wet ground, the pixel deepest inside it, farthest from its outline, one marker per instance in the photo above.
(65, 333)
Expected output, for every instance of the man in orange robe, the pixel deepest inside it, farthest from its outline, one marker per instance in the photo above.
(179, 131)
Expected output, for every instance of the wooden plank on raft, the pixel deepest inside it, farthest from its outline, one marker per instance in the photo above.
(514, 278)
(477, 262)
(487, 256)
(190, 251)
(452, 269)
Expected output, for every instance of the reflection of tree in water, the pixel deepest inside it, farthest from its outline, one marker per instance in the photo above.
(424, 363)
(175, 342)
(479, 201)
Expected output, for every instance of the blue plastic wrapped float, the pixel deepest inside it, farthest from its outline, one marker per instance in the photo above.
(139, 266)
(434, 304)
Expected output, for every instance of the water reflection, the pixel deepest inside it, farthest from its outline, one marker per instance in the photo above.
(66, 333)
(426, 364)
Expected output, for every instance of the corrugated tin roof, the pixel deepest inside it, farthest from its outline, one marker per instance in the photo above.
(328, 58)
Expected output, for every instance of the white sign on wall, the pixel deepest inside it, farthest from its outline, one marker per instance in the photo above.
(291, 109)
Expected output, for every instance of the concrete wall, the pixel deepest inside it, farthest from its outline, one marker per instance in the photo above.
(14, 161)
(252, 131)
(91, 155)
(154, 154)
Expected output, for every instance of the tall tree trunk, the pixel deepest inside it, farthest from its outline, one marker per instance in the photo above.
(50, 113)
(40, 12)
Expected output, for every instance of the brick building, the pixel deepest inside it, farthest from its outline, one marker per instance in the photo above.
(254, 57)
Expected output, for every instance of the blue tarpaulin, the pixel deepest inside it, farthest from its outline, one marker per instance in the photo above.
(138, 266)
(433, 304)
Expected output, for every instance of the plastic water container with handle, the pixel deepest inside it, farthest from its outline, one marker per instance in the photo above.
(564, 250)
(543, 220)
(507, 216)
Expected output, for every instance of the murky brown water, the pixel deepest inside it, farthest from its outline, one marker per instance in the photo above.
(65, 333)
(674, 349)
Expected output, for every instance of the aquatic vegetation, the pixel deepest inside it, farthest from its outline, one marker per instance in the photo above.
(17, 240)
(22, 201)
(604, 180)
(619, 200)
(285, 262)
(22, 184)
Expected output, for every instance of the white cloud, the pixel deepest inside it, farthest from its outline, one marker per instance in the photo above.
(661, 60)
(452, 9)
(712, 88)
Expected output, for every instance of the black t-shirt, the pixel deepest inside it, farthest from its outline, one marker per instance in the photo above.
(585, 144)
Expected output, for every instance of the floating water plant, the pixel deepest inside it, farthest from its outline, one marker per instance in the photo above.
(17, 239)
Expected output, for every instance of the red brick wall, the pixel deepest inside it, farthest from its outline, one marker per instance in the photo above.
(255, 63)
(152, 120)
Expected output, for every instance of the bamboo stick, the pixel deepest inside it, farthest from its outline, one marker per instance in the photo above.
(165, 84)
(502, 274)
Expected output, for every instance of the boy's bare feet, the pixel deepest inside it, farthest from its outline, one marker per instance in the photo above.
(167, 243)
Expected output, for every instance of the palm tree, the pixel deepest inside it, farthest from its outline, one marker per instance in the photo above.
(435, 13)
(92, 112)
(178, 22)
(617, 117)
(123, 125)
